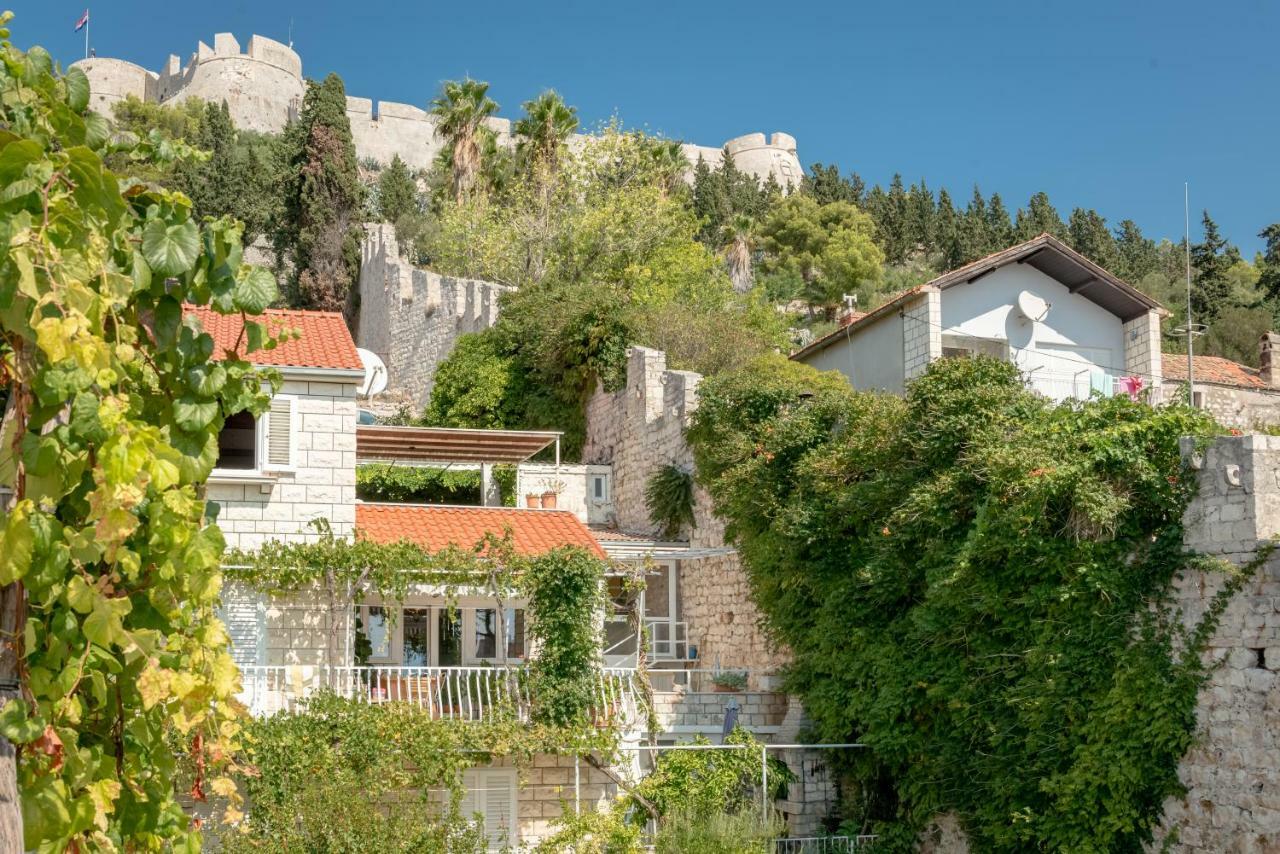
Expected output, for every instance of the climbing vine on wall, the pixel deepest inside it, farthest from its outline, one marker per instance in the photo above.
(668, 496)
(109, 564)
(974, 582)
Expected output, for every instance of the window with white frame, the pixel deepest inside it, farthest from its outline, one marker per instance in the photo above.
(598, 488)
(439, 635)
(268, 443)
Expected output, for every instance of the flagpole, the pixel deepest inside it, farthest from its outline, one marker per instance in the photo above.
(86, 33)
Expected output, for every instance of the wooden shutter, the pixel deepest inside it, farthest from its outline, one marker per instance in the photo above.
(491, 793)
(278, 436)
(244, 614)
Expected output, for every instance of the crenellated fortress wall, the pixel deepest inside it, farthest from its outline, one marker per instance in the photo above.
(263, 87)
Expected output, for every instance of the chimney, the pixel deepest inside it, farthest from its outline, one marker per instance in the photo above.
(1269, 359)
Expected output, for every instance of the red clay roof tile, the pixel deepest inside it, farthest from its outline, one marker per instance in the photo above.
(1212, 369)
(436, 527)
(324, 340)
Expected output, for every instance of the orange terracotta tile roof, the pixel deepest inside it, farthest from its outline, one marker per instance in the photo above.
(1212, 369)
(324, 340)
(436, 527)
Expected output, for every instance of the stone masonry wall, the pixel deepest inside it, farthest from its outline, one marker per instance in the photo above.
(1242, 408)
(1142, 349)
(322, 484)
(921, 332)
(638, 430)
(1232, 776)
(411, 318)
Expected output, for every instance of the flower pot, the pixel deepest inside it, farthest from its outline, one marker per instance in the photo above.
(723, 689)
(533, 501)
(548, 501)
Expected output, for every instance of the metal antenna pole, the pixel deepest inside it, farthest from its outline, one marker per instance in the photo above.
(1191, 377)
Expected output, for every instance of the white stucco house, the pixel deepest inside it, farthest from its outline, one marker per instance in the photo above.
(1071, 326)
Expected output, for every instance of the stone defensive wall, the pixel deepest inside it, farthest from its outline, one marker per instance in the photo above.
(263, 88)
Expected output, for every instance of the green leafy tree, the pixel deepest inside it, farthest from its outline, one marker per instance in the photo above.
(1210, 261)
(831, 247)
(460, 111)
(723, 193)
(976, 584)
(107, 550)
(321, 226)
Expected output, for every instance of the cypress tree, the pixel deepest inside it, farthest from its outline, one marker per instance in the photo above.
(1269, 264)
(921, 216)
(975, 229)
(1209, 286)
(397, 191)
(826, 184)
(324, 201)
(947, 231)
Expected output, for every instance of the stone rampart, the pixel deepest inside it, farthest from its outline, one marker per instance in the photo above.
(411, 318)
(263, 88)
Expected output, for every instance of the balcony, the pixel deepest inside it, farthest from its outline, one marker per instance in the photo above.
(458, 693)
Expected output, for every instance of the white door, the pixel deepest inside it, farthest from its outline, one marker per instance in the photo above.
(491, 794)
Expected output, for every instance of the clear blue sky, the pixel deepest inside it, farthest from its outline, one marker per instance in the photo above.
(1101, 103)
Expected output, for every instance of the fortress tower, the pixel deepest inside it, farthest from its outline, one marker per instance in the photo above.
(263, 89)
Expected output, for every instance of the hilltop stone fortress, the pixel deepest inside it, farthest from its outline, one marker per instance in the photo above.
(263, 86)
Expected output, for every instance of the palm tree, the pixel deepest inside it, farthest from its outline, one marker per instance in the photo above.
(547, 123)
(460, 112)
(737, 241)
(670, 163)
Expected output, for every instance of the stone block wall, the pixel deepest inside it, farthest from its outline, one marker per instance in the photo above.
(1233, 406)
(921, 332)
(411, 318)
(1142, 349)
(321, 485)
(636, 431)
(1232, 776)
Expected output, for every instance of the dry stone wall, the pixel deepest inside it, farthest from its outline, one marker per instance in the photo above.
(1244, 409)
(411, 318)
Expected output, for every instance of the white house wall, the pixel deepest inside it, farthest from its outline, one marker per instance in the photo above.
(1076, 336)
(872, 357)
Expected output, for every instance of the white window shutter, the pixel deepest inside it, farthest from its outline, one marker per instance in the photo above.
(492, 793)
(279, 441)
(243, 612)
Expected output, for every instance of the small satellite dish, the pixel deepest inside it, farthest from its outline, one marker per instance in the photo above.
(375, 374)
(1032, 307)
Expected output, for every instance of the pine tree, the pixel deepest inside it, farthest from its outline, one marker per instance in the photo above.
(324, 202)
(999, 225)
(947, 231)
(826, 184)
(1210, 261)
(921, 215)
(397, 192)
(1136, 256)
(1269, 264)
(1039, 218)
(975, 229)
(1087, 233)
(721, 194)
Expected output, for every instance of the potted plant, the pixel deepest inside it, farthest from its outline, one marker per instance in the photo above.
(532, 500)
(729, 681)
(551, 494)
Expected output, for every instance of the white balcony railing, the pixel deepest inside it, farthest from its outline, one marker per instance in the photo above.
(823, 844)
(463, 693)
(1062, 385)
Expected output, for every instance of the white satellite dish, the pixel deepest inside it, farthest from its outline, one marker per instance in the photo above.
(1032, 307)
(375, 374)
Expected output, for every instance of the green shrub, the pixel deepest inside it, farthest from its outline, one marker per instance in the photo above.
(669, 498)
(746, 832)
(974, 582)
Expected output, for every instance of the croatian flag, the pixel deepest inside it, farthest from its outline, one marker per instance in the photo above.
(83, 22)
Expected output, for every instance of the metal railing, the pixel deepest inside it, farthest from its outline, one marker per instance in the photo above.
(462, 693)
(822, 844)
(1061, 385)
(666, 676)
